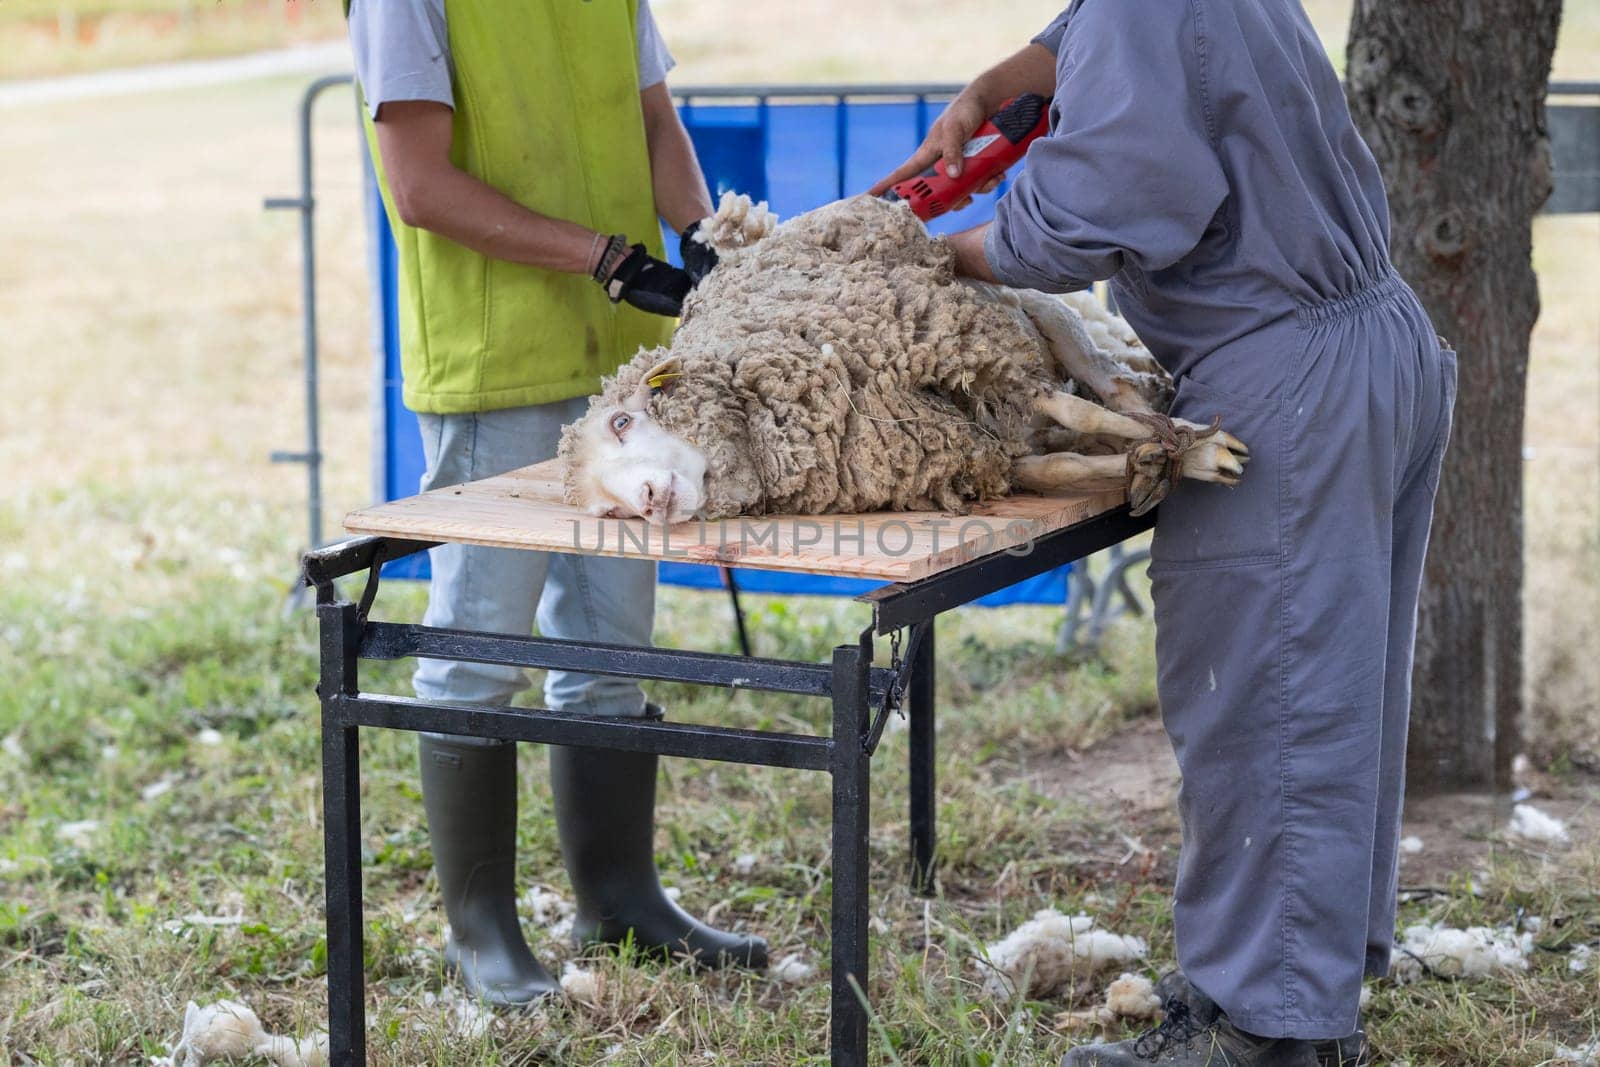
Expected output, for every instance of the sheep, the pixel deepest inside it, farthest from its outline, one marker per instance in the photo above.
(837, 365)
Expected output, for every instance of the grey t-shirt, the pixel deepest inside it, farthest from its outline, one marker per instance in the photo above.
(402, 51)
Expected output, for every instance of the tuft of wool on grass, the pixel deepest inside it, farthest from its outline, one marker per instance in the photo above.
(1051, 951)
(1580, 959)
(229, 1030)
(196, 920)
(466, 1018)
(1411, 845)
(1476, 952)
(1131, 997)
(285, 1051)
(1533, 825)
(1582, 1056)
(792, 969)
(550, 910)
(580, 984)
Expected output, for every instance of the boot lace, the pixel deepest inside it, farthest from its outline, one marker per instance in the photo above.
(1178, 1027)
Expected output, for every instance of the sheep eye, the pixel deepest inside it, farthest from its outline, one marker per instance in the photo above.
(620, 423)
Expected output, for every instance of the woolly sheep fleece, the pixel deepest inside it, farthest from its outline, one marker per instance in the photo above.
(838, 366)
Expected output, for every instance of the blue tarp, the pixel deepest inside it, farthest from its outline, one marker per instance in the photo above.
(796, 156)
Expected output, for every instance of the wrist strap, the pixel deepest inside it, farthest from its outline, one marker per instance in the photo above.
(616, 249)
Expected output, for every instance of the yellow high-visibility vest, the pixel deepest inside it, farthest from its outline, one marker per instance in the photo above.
(547, 111)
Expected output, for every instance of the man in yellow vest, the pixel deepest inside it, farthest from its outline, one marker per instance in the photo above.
(525, 149)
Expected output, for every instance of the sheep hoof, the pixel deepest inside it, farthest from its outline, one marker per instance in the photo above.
(1150, 476)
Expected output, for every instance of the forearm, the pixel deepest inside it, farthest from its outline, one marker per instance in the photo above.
(454, 204)
(971, 260)
(675, 176)
(1030, 70)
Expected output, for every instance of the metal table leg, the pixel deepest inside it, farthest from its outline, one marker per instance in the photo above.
(923, 744)
(851, 814)
(341, 822)
(852, 683)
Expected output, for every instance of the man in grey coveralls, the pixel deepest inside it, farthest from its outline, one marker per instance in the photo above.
(1202, 157)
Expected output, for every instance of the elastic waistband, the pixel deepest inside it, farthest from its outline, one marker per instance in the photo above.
(1379, 292)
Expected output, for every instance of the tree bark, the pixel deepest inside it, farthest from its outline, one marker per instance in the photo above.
(1451, 99)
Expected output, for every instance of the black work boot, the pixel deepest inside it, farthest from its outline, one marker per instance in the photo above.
(470, 794)
(605, 811)
(1183, 1041)
(1348, 1051)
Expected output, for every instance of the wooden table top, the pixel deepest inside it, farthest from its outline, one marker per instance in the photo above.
(524, 509)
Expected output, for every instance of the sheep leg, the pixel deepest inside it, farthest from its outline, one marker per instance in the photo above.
(1220, 457)
(1069, 471)
(1146, 474)
(1078, 357)
(1085, 416)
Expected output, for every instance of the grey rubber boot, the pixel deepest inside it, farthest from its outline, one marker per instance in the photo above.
(605, 811)
(1348, 1051)
(470, 793)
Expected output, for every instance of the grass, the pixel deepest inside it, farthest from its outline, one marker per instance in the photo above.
(149, 312)
(104, 937)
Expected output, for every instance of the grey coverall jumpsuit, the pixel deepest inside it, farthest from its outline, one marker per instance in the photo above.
(1202, 157)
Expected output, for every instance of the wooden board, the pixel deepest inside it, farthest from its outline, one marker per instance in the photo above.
(523, 509)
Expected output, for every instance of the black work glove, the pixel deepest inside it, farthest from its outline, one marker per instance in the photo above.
(698, 258)
(647, 283)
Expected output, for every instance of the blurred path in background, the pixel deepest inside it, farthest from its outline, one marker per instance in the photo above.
(324, 58)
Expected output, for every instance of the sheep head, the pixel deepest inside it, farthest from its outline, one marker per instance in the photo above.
(621, 463)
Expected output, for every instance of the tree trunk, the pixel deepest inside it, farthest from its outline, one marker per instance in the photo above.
(1451, 99)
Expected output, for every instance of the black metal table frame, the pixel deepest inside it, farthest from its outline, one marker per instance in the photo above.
(863, 697)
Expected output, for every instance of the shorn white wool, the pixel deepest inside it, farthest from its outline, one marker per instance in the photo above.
(465, 1018)
(1131, 997)
(1476, 952)
(1533, 825)
(738, 222)
(287, 1052)
(1583, 1056)
(228, 1030)
(792, 969)
(580, 984)
(550, 910)
(1050, 951)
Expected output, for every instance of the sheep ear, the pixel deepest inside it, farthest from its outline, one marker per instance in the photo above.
(661, 378)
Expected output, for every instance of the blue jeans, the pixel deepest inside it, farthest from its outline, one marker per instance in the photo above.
(505, 590)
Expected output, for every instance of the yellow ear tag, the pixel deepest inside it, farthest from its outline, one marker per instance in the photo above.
(659, 382)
